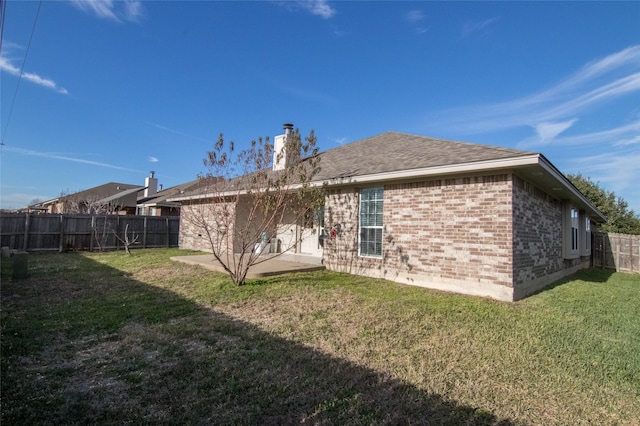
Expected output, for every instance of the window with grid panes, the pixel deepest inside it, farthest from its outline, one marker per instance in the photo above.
(371, 206)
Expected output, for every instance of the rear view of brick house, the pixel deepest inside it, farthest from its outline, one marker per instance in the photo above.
(454, 216)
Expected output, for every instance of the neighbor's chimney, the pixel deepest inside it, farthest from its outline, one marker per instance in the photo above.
(151, 185)
(280, 155)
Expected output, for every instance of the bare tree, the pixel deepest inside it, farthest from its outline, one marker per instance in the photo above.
(101, 229)
(127, 240)
(82, 203)
(244, 201)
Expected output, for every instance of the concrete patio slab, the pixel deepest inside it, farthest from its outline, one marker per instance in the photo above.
(282, 264)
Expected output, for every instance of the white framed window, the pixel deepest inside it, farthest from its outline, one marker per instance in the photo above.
(575, 229)
(371, 208)
(572, 231)
(586, 232)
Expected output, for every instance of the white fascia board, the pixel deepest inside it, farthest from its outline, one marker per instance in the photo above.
(53, 201)
(478, 166)
(206, 195)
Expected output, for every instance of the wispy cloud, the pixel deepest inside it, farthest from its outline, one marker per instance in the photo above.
(341, 140)
(118, 11)
(133, 11)
(617, 171)
(548, 131)
(315, 7)
(338, 32)
(624, 135)
(600, 81)
(176, 132)
(308, 94)
(152, 159)
(473, 27)
(8, 67)
(588, 122)
(414, 17)
(55, 156)
(318, 7)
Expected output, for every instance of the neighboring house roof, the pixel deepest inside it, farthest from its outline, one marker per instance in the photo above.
(393, 156)
(160, 199)
(97, 193)
(126, 198)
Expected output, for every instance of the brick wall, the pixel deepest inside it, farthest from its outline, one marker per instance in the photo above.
(341, 251)
(537, 231)
(456, 231)
(196, 216)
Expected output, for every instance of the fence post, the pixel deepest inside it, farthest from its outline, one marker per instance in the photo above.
(117, 231)
(631, 263)
(91, 232)
(604, 250)
(144, 233)
(27, 222)
(618, 247)
(167, 234)
(61, 248)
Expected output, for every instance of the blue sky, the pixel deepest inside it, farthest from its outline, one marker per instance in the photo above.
(113, 89)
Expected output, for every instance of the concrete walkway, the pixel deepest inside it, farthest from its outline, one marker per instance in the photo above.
(283, 264)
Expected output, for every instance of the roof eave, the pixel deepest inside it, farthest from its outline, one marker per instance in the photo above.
(510, 163)
(575, 194)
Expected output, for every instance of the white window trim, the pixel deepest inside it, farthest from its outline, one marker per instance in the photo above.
(381, 227)
(567, 231)
(585, 231)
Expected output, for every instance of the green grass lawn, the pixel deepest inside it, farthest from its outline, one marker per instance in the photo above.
(106, 338)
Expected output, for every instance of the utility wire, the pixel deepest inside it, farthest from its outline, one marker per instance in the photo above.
(3, 11)
(24, 61)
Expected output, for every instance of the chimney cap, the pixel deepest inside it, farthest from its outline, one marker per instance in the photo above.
(152, 173)
(288, 126)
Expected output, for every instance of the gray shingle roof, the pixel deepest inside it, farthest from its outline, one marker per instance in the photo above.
(162, 198)
(392, 151)
(97, 192)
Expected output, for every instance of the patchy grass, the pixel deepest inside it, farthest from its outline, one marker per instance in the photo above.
(110, 338)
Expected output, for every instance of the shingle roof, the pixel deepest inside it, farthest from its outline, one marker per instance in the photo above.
(392, 151)
(161, 197)
(98, 192)
(121, 195)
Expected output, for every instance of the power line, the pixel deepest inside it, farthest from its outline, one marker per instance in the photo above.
(3, 11)
(24, 61)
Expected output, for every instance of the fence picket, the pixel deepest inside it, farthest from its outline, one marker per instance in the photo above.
(617, 251)
(29, 232)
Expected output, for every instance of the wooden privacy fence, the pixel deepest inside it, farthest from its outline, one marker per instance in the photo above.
(617, 251)
(64, 232)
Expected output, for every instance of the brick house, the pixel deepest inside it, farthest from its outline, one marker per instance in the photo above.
(454, 216)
